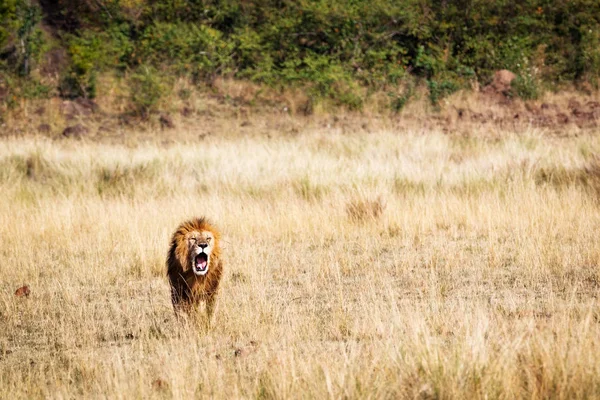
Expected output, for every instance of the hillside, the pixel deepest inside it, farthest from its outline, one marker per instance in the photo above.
(352, 54)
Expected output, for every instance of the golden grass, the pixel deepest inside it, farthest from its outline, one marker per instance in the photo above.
(389, 265)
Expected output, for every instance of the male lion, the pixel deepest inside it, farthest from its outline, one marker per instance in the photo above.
(194, 265)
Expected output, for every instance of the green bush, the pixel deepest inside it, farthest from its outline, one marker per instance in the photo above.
(399, 100)
(92, 52)
(440, 89)
(526, 84)
(588, 63)
(146, 90)
(8, 10)
(21, 40)
(252, 57)
(525, 87)
(187, 48)
(339, 51)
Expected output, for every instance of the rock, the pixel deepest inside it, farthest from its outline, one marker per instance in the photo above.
(501, 83)
(23, 291)
(75, 131)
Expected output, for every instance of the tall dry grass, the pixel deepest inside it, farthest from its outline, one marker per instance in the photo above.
(388, 265)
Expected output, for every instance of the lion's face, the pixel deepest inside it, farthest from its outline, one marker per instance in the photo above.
(201, 245)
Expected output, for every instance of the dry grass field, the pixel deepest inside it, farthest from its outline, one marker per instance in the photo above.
(384, 265)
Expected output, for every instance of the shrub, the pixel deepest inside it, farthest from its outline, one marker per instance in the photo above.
(21, 40)
(399, 100)
(8, 10)
(525, 87)
(186, 48)
(440, 89)
(340, 51)
(91, 52)
(526, 84)
(146, 90)
(589, 61)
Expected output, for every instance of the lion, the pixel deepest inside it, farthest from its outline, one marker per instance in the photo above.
(194, 265)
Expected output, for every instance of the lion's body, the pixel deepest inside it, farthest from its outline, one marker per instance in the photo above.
(188, 288)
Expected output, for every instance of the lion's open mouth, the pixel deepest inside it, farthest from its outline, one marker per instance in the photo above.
(201, 263)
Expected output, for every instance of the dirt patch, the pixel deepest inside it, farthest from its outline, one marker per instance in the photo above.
(492, 108)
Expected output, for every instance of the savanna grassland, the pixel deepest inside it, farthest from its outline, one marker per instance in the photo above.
(394, 264)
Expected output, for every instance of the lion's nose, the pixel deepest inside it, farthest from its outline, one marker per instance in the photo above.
(203, 245)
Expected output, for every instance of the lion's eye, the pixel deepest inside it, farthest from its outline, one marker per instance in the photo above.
(192, 239)
(208, 239)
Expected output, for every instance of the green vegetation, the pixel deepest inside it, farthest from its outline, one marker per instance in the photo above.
(146, 90)
(340, 51)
